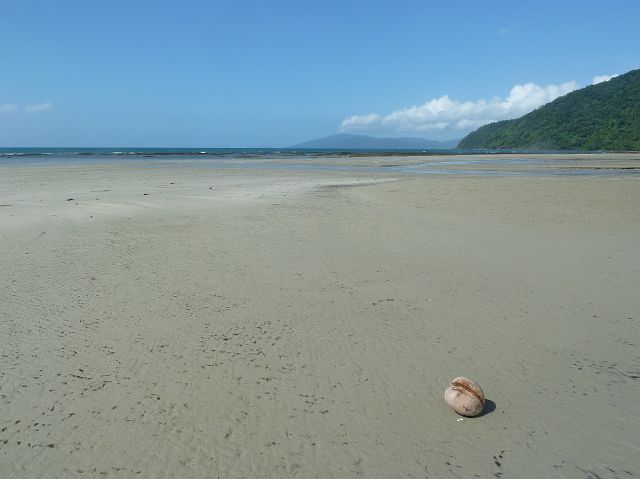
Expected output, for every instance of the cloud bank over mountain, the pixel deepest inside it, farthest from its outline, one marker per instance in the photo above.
(600, 78)
(445, 116)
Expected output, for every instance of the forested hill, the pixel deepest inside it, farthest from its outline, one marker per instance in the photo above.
(605, 116)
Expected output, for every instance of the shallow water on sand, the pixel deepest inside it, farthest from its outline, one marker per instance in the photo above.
(496, 165)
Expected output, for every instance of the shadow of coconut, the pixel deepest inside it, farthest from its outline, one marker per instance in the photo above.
(489, 407)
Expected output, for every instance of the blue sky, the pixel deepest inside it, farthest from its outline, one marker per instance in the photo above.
(274, 73)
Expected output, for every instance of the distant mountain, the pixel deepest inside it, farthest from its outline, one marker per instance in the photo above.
(605, 116)
(369, 142)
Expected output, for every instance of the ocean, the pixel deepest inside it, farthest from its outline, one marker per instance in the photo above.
(223, 153)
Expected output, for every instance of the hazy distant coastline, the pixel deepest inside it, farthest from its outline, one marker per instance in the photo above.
(344, 140)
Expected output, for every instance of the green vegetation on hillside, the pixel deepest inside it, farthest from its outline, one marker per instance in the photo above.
(605, 116)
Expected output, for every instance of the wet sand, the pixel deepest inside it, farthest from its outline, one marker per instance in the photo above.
(187, 322)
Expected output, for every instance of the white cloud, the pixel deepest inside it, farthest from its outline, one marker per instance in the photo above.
(38, 108)
(8, 108)
(363, 121)
(601, 78)
(446, 114)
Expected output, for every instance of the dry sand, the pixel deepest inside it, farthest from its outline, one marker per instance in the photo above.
(181, 322)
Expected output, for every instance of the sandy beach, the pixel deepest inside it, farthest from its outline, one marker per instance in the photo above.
(177, 321)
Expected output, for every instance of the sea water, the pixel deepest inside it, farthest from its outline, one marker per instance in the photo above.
(294, 159)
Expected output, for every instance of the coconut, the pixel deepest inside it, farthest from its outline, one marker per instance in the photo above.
(465, 396)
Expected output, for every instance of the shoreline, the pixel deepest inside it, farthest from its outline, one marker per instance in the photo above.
(473, 165)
